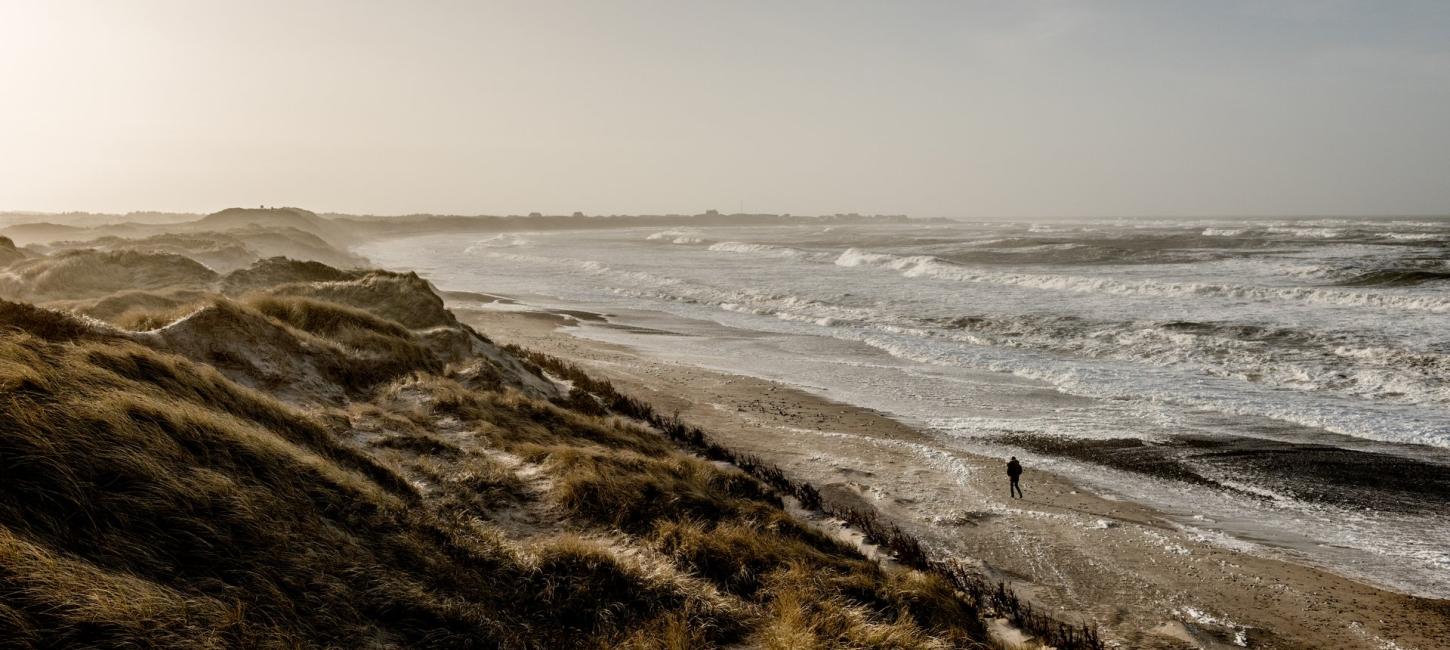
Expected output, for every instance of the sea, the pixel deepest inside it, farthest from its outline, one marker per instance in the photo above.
(1281, 384)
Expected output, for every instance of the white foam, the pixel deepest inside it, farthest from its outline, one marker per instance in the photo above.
(1113, 382)
(497, 241)
(1225, 232)
(1201, 617)
(674, 234)
(1310, 233)
(766, 250)
(927, 266)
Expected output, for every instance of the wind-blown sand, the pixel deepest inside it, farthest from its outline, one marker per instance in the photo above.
(1144, 580)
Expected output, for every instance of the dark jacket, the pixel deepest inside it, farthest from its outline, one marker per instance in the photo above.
(1014, 469)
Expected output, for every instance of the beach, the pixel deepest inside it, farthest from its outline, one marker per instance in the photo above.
(1146, 579)
(1279, 385)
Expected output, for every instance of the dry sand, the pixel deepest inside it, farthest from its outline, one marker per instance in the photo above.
(1144, 581)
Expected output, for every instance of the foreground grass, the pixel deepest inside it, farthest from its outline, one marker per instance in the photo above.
(150, 501)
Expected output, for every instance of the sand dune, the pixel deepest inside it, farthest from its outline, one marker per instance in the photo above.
(90, 273)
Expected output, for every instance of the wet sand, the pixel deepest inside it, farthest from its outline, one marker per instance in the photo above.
(1146, 582)
(1312, 473)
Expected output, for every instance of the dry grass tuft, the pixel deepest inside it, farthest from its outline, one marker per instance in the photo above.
(323, 318)
(146, 319)
(376, 350)
(509, 419)
(402, 297)
(805, 611)
(47, 324)
(631, 491)
(274, 271)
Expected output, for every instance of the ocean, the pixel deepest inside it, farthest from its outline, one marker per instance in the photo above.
(1278, 384)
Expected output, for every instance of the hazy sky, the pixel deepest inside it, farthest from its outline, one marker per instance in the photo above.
(929, 108)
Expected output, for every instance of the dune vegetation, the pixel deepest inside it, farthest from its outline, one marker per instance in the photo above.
(9, 253)
(94, 273)
(221, 251)
(291, 455)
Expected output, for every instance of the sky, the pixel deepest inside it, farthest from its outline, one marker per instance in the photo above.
(958, 109)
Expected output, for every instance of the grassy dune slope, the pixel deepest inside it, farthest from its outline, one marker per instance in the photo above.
(90, 273)
(305, 465)
(9, 253)
(223, 241)
(221, 251)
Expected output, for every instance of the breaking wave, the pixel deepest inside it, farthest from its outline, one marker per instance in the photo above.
(926, 266)
(497, 241)
(1396, 278)
(1275, 357)
(683, 236)
(766, 250)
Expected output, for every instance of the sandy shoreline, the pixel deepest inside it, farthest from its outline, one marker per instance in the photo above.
(1145, 581)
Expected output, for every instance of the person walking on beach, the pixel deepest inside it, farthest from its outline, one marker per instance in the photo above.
(1014, 472)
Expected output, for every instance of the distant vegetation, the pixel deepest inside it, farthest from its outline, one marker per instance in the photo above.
(342, 230)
